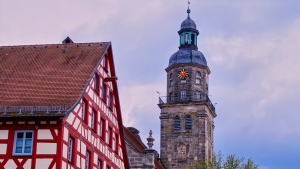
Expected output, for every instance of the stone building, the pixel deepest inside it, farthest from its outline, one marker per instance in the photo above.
(139, 155)
(187, 114)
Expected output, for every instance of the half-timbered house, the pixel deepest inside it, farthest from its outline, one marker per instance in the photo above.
(59, 107)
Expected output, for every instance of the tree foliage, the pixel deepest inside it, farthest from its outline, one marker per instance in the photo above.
(229, 162)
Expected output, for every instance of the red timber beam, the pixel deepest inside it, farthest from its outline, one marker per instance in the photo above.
(113, 80)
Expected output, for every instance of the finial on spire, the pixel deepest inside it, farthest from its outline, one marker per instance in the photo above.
(188, 10)
(150, 140)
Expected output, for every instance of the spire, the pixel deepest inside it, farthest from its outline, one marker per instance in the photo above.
(188, 10)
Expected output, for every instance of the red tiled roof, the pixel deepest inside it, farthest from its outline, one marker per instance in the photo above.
(43, 75)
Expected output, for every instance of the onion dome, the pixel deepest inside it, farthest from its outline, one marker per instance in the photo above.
(187, 55)
(188, 22)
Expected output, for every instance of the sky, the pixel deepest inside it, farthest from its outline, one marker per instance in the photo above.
(251, 46)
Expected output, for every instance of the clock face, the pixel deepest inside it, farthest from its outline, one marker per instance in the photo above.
(183, 74)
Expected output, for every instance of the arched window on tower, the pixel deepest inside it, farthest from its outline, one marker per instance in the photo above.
(193, 39)
(176, 123)
(188, 123)
(182, 39)
(186, 38)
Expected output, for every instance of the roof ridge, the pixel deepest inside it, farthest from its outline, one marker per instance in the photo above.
(60, 44)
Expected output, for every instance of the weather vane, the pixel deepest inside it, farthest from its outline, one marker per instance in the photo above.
(188, 4)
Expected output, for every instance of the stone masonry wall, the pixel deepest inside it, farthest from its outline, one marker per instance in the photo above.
(181, 148)
(138, 160)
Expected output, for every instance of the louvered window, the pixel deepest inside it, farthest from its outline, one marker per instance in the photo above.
(188, 123)
(176, 123)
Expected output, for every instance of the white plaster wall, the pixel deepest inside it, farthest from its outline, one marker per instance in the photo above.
(70, 118)
(10, 164)
(42, 163)
(44, 134)
(66, 134)
(76, 123)
(64, 165)
(65, 151)
(3, 148)
(3, 134)
(46, 148)
(27, 165)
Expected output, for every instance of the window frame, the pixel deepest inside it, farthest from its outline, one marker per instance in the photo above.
(186, 123)
(23, 142)
(84, 111)
(109, 137)
(183, 94)
(97, 83)
(71, 154)
(105, 63)
(111, 100)
(99, 164)
(104, 92)
(94, 119)
(198, 95)
(116, 143)
(177, 125)
(87, 160)
(102, 128)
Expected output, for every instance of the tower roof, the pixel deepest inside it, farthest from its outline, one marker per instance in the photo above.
(188, 23)
(187, 55)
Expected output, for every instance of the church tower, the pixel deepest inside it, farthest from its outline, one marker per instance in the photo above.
(187, 114)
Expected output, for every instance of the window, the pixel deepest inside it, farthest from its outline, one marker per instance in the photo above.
(182, 39)
(110, 104)
(102, 128)
(84, 111)
(197, 95)
(96, 83)
(105, 63)
(183, 94)
(23, 142)
(115, 143)
(176, 123)
(171, 98)
(183, 81)
(70, 149)
(87, 160)
(171, 83)
(109, 136)
(94, 120)
(104, 88)
(171, 75)
(192, 39)
(188, 123)
(198, 74)
(99, 164)
(197, 81)
(186, 38)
